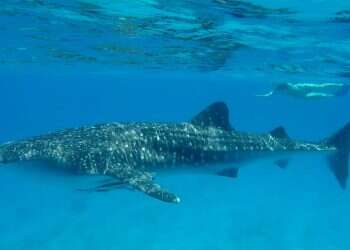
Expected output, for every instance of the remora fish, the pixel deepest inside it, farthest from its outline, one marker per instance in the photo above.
(130, 152)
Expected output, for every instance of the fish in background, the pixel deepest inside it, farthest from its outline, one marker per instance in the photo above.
(310, 90)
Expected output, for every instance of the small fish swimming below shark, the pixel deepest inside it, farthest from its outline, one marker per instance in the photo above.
(130, 153)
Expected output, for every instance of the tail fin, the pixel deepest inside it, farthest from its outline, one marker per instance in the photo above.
(338, 161)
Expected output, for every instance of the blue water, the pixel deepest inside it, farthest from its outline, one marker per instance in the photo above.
(157, 68)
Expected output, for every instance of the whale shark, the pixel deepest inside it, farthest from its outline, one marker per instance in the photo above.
(131, 153)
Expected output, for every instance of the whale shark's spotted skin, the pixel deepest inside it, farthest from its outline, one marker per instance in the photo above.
(131, 152)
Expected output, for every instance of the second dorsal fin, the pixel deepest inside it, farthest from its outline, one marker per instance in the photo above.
(279, 132)
(215, 115)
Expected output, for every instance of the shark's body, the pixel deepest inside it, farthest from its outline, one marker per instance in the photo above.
(130, 152)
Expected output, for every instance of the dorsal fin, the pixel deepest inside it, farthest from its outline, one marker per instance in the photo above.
(215, 115)
(280, 133)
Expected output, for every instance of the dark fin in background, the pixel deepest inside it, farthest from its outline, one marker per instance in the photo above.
(280, 133)
(338, 161)
(343, 91)
(282, 163)
(104, 187)
(229, 172)
(215, 115)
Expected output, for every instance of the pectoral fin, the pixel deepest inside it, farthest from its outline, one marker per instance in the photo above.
(143, 181)
(154, 190)
(229, 172)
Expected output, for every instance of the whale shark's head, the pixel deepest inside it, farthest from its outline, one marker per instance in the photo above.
(2, 160)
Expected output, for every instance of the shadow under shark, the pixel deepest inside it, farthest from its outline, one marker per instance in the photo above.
(131, 152)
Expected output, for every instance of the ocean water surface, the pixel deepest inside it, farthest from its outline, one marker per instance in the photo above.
(73, 63)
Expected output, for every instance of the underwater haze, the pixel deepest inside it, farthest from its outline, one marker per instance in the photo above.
(67, 64)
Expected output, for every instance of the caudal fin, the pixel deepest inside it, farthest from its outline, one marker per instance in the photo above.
(338, 161)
